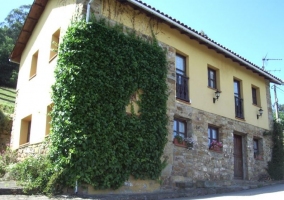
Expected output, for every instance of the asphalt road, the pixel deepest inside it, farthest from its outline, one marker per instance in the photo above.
(275, 192)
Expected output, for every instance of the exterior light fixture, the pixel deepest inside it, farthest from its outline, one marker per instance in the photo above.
(260, 111)
(217, 95)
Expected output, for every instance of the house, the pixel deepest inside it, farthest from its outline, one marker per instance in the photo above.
(215, 95)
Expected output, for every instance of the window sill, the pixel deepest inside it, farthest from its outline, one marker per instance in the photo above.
(216, 151)
(183, 101)
(32, 77)
(215, 89)
(256, 105)
(52, 58)
(241, 119)
(24, 145)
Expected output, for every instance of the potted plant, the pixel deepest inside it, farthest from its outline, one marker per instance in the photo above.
(189, 142)
(183, 142)
(216, 146)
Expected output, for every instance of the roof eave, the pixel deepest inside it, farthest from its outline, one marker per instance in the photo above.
(206, 41)
(33, 16)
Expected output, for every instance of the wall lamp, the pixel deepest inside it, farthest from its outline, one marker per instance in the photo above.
(260, 111)
(217, 95)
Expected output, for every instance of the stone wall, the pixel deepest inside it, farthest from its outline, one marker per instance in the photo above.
(27, 150)
(186, 168)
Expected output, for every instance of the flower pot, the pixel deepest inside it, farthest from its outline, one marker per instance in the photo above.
(182, 144)
(216, 148)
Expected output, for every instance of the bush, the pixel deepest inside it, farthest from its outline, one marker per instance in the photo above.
(7, 158)
(33, 173)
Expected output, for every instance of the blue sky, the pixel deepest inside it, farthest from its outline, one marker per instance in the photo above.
(251, 28)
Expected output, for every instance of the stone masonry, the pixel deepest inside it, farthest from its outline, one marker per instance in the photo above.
(189, 167)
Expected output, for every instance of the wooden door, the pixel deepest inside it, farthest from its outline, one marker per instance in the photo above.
(238, 157)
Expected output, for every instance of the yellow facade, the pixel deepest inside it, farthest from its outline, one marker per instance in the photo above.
(199, 58)
(36, 74)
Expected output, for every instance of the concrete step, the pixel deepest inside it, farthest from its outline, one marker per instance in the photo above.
(10, 187)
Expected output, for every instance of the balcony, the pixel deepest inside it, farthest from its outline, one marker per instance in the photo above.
(239, 107)
(182, 92)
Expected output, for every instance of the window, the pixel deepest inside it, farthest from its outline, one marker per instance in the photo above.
(255, 95)
(212, 81)
(25, 133)
(54, 44)
(34, 65)
(213, 134)
(254, 98)
(255, 148)
(181, 78)
(48, 119)
(179, 128)
(239, 112)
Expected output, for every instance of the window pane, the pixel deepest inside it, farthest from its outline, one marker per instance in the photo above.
(237, 88)
(181, 127)
(175, 133)
(212, 74)
(214, 134)
(180, 63)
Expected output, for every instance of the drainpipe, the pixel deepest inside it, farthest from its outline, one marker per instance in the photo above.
(76, 187)
(88, 11)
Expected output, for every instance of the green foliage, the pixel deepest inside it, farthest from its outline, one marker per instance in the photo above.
(276, 165)
(9, 32)
(179, 139)
(94, 141)
(7, 158)
(4, 122)
(33, 173)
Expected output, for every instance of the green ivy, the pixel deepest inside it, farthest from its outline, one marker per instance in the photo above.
(93, 139)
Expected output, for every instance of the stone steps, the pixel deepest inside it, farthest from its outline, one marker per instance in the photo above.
(10, 187)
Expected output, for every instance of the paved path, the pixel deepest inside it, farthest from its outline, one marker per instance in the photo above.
(274, 192)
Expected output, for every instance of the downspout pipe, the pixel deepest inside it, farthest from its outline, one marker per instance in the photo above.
(76, 187)
(88, 11)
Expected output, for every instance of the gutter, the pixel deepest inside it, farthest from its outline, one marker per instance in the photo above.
(12, 61)
(140, 5)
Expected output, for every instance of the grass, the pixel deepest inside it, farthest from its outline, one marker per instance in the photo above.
(7, 99)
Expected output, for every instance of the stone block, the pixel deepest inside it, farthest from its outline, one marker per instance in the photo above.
(200, 184)
(210, 184)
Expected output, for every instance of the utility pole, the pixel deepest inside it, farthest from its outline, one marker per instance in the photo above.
(276, 103)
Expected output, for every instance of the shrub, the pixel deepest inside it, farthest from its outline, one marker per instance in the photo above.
(7, 158)
(33, 173)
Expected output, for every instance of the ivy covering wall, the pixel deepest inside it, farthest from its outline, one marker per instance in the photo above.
(93, 139)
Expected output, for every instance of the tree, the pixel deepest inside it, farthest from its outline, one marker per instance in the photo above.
(276, 165)
(9, 31)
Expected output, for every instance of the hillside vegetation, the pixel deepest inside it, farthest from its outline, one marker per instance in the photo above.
(7, 99)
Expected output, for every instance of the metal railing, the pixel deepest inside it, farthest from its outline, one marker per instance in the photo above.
(239, 107)
(182, 91)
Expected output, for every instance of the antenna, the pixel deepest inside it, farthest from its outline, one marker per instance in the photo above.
(276, 70)
(274, 86)
(267, 59)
